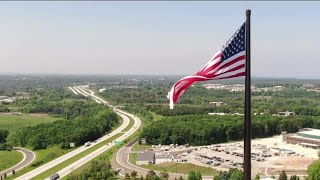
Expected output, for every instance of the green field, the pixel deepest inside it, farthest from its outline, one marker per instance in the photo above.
(14, 122)
(182, 168)
(9, 159)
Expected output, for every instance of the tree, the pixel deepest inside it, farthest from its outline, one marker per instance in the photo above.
(133, 175)
(236, 174)
(216, 178)
(180, 178)
(155, 177)
(5, 175)
(192, 175)
(257, 177)
(150, 174)
(314, 170)
(164, 175)
(283, 176)
(198, 175)
(127, 176)
(3, 135)
(294, 177)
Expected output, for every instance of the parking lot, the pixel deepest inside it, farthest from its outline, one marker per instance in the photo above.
(269, 156)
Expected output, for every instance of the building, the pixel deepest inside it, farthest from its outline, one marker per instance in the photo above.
(306, 137)
(218, 114)
(287, 113)
(164, 158)
(146, 157)
(217, 103)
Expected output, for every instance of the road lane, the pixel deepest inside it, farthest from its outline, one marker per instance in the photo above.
(28, 157)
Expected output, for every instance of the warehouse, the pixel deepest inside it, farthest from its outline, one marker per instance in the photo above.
(306, 137)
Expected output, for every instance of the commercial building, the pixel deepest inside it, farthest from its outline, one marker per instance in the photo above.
(164, 158)
(146, 157)
(306, 137)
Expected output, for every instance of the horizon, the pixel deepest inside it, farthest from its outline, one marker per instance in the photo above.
(171, 75)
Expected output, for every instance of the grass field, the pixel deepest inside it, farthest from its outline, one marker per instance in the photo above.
(182, 168)
(9, 159)
(14, 122)
(84, 153)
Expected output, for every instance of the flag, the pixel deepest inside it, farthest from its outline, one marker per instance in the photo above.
(228, 62)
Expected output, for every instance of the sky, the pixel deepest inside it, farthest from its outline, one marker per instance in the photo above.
(155, 37)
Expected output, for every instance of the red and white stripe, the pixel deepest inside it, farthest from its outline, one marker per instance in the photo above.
(215, 69)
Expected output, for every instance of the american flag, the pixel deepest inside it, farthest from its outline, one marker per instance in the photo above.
(228, 62)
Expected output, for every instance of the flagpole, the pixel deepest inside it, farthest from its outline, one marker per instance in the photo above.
(247, 114)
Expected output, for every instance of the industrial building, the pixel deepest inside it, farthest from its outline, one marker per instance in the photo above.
(163, 158)
(146, 157)
(306, 137)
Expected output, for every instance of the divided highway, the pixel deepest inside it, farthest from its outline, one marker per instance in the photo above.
(65, 171)
(137, 122)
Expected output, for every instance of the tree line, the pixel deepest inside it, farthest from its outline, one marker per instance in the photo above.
(204, 129)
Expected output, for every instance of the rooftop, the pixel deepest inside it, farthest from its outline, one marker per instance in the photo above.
(311, 133)
(146, 156)
(164, 156)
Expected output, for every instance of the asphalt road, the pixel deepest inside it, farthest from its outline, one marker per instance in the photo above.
(69, 155)
(137, 122)
(28, 157)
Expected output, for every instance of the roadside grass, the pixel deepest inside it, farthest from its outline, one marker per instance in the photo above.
(9, 159)
(182, 168)
(140, 147)
(133, 158)
(60, 166)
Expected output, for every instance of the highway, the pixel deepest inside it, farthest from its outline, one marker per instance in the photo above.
(28, 157)
(69, 155)
(137, 122)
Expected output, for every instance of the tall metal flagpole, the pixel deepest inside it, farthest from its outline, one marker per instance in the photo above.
(247, 113)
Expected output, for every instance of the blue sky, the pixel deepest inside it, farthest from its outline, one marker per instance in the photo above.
(155, 37)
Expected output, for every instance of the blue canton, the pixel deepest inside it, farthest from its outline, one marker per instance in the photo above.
(235, 45)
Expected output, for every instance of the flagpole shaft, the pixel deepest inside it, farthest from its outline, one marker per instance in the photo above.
(247, 114)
